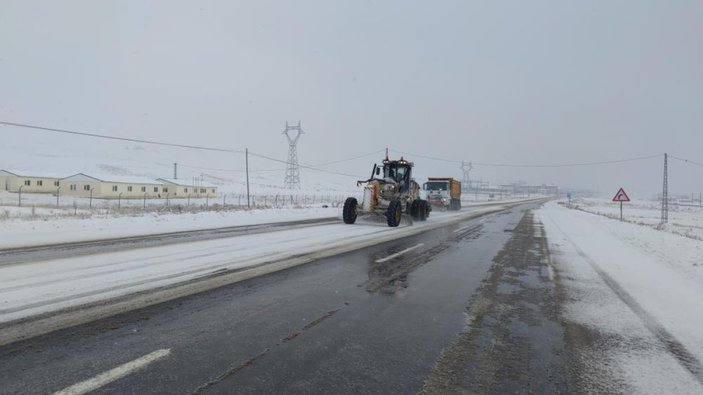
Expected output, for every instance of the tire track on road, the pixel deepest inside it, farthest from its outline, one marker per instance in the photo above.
(234, 369)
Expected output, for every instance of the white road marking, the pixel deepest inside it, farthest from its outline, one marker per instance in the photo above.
(399, 253)
(461, 229)
(114, 374)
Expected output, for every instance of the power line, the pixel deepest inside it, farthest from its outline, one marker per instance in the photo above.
(279, 169)
(305, 166)
(103, 136)
(227, 170)
(576, 164)
(487, 164)
(349, 159)
(686, 160)
(427, 157)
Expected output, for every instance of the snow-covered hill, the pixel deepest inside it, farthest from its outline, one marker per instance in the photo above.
(33, 152)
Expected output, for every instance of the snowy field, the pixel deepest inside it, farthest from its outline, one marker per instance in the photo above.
(685, 220)
(45, 206)
(639, 288)
(35, 205)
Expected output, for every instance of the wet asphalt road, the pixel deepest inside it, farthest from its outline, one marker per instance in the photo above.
(345, 324)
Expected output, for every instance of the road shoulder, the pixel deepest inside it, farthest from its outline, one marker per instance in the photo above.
(514, 340)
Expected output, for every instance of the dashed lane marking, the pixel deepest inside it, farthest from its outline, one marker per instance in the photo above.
(399, 253)
(114, 374)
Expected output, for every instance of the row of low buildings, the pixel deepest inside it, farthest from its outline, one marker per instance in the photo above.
(112, 187)
(521, 188)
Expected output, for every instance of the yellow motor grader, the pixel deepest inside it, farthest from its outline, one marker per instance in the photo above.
(391, 191)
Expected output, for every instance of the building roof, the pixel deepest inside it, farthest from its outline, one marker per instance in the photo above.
(32, 173)
(105, 178)
(183, 183)
(115, 179)
(131, 180)
(80, 177)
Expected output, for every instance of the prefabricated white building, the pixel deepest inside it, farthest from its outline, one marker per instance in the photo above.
(12, 181)
(105, 187)
(181, 189)
(115, 187)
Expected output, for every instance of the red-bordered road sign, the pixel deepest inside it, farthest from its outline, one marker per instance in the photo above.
(621, 196)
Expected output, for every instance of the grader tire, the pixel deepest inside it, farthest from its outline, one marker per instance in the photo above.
(394, 213)
(415, 209)
(425, 210)
(421, 212)
(350, 210)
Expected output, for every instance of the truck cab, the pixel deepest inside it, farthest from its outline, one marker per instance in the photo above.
(443, 192)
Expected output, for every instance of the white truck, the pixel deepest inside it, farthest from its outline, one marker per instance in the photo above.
(443, 192)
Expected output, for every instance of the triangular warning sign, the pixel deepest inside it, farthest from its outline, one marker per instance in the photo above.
(621, 196)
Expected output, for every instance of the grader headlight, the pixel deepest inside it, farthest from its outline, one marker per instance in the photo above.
(388, 191)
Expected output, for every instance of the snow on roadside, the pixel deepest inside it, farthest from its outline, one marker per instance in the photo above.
(26, 233)
(685, 220)
(633, 285)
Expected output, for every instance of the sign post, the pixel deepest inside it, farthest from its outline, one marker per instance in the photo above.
(621, 196)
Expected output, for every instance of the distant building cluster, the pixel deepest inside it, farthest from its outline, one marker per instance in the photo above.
(520, 188)
(113, 187)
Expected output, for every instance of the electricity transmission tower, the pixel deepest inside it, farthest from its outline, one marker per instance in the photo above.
(292, 180)
(665, 192)
(466, 181)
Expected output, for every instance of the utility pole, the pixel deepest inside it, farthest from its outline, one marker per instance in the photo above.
(175, 171)
(466, 181)
(665, 192)
(246, 156)
(292, 180)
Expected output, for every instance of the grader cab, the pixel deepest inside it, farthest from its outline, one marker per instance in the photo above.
(390, 191)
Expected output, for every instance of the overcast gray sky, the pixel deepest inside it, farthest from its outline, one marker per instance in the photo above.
(507, 82)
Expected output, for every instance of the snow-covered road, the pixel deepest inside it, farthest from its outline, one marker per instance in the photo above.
(45, 230)
(23, 233)
(641, 290)
(30, 289)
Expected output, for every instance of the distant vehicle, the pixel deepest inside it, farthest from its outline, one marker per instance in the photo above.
(444, 192)
(391, 194)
